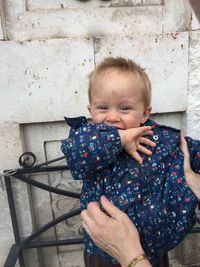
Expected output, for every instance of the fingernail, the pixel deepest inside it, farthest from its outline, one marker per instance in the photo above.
(103, 198)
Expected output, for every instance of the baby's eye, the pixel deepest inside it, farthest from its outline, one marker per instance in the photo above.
(103, 107)
(125, 108)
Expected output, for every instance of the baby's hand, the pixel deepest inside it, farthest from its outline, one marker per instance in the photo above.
(132, 139)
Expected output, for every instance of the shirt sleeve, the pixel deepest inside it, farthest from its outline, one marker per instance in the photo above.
(91, 148)
(194, 150)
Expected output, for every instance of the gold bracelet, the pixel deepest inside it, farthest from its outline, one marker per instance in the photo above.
(135, 260)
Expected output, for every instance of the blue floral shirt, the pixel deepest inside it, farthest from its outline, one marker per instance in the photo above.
(154, 195)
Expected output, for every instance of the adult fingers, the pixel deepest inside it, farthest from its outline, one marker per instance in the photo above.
(184, 148)
(87, 222)
(86, 218)
(95, 212)
(91, 208)
(87, 229)
(110, 208)
(91, 227)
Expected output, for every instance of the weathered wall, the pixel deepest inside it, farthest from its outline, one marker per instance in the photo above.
(47, 48)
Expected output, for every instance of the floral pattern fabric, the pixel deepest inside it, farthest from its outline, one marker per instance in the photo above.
(154, 195)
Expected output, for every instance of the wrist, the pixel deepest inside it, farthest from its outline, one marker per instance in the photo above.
(140, 261)
(122, 136)
(130, 255)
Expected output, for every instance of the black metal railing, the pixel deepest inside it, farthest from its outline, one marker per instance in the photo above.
(27, 161)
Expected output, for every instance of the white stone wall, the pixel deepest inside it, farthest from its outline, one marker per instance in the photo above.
(47, 48)
(193, 110)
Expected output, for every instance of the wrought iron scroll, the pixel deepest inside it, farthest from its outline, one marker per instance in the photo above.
(27, 161)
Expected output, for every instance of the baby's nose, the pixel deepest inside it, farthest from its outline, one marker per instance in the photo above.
(113, 117)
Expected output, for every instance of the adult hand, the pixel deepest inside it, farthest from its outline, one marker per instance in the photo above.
(192, 178)
(115, 234)
(132, 140)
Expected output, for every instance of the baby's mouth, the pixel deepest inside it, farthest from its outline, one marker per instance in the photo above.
(120, 128)
(116, 126)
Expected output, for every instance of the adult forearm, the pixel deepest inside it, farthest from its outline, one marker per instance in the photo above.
(192, 178)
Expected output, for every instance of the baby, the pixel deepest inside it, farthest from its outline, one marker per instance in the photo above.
(151, 190)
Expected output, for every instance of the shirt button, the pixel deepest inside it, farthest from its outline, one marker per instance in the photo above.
(155, 137)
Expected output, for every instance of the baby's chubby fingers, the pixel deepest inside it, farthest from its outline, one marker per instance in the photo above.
(144, 130)
(147, 142)
(133, 139)
(136, 156)
(144, 150)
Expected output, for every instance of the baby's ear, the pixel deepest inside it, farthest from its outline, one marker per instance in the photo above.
(89, 108)
(146, 114)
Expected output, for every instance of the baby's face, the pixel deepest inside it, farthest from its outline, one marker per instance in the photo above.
(117, 100)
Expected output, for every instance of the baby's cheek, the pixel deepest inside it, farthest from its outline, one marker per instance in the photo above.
(98, 118)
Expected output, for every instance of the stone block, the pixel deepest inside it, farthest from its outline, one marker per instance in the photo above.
(176, 16)
(48, 78)
(85, 19)
(164, 57)
(71, 4)
(194, 72)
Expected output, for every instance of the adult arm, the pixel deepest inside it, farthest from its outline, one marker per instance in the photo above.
(115, 234)
(194, 152)
(192, 178)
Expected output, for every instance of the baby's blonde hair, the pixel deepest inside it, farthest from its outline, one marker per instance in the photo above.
(124, 65)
